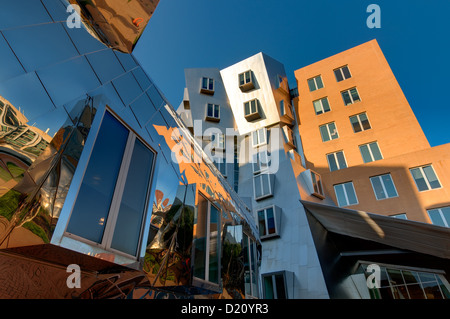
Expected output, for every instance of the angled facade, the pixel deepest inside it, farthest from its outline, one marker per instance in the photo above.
(104, 193)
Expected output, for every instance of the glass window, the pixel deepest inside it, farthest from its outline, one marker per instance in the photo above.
(425, 178)
(212, 111)
(370, 152)
(315, 83)
(263, 185)
(266, 221)
(317, 184)
(336, 161)
(251, 107)
(115, 194)
(321, 106)
(207, 85)
(261, 161)
(328, 132)
(345, 194)
(206, 241)
(245, 77)
(383, 186)
(274, 286)
(342, 73)
(250, 266)
(440, 216)
(350, 96)
(360, 122)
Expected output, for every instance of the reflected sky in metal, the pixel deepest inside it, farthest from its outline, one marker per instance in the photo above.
(55, 84)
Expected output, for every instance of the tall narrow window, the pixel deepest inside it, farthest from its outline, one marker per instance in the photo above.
(383, 186)
(259, 137)
(370, 152)
(206, 241)
(345, 194)
(268, 222)
(360, 122)
(250, 266)
(342, 73)
(350, 96)
(261, 161)
(321, 106)
(336, 161)
(112, 201)
(263, 185)
(425, 178)
(315, 83)
(328, 132)
(317, 184)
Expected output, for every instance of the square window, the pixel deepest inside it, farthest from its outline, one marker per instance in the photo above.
(321, 106)
(342, 73)
(263, 185)
(425, 178)
(259, 137)
(315, 83)
(251, 110)
(350, 96)
(212, 112)
(328, 132)
(336, 161)
(207, 86)
(383, 186)
(246, 82)
(269, 222)
(370, 152)
(345, 194)
(360, 122)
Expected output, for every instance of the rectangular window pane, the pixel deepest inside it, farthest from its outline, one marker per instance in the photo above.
(378, 188)
(265, 184)
(318, 107)
(262, 223)
(210, 110)
(338, 75)
(132, 208)
(419, 179)
(200, 238)
(346, 97)
(340, 195)
(341, 160)
(214, 243)
(364, 121)
(257, 184)
(389, 185)
(281, 291)
(268, 288)
(324, 133)
(436, 218)
(270, 220)
(204, 83)
(241, 79)
(446, 213)
(325, 104)
(355, 124)
(333, 131)
(89, 215)
(332, 162)
(319, 82)
(351, 195)
(346, 72)
(355, 95)
(311, 85)
(367, 157)
(431, 177)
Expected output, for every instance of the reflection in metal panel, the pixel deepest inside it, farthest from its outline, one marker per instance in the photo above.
(50, 114)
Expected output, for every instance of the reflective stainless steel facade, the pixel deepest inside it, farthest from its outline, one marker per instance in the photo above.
(65, 97)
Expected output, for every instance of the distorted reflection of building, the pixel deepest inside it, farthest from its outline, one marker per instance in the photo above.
(87, 169)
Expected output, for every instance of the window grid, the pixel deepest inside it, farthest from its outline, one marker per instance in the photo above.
(342, 73)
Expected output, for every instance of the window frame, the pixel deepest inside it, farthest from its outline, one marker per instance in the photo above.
(379, 177)
(113, 212)
(276, 218)
(247, 85)
(275, 291)
(346, 195)
(441, 215)
(328, 131)
(317, 184)
(252, 115)
(258, 141)
(370, 152)
(314, 80)
(256, 162)
(353, 101)
(207, 89)
(429, 188)
(270, 180)
(340, 69)
(357, 116)
(214, 107)
(206, 283)
(323, 111)
(334, 154)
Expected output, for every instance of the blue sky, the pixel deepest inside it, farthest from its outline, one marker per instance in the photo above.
(414, 37)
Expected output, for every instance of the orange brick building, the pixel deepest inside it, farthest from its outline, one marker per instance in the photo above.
(359, 133)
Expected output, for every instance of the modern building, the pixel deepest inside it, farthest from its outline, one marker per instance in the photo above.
(296, 165)
(103, 191)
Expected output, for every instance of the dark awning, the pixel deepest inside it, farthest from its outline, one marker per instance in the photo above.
(403, 234)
